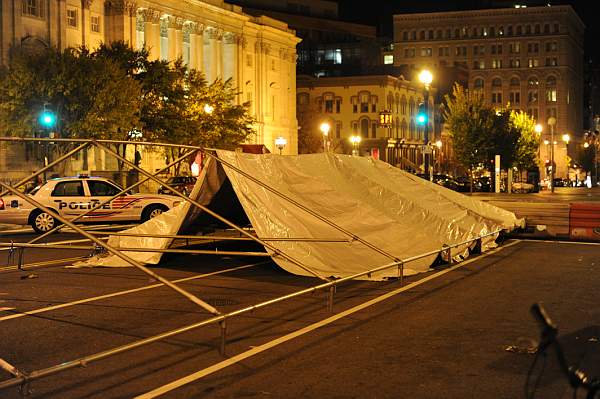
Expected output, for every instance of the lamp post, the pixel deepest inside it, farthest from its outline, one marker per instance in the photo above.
(280, 143)
(566, 138)
(551, 123)
(538, 128)
(426, 78)
(355, 140)
(325, 127)
(385, 121)
(438, 145)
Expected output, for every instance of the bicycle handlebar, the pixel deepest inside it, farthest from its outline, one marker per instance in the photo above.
(577, 378)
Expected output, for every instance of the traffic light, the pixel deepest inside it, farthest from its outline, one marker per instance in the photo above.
(421, 114)
(47, 118)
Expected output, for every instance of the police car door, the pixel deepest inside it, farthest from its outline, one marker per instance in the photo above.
(68, 197)
(101, 191)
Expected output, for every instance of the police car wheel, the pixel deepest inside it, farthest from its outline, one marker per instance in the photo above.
(152, 211)
(43, 222)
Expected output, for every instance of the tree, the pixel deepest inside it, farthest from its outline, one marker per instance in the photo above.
(175, 99)
(470, 122)
(91, 98)
(526, 153)
(504, 137)
(310, 138)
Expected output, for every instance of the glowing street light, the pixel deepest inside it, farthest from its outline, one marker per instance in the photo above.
(426, 78)
(538, 128)
(355, 140)
(280, 143)
(208, 108)
(566, 138)
(325, 127)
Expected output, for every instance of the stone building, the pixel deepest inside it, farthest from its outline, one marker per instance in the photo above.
(352, 106)
(529, 58)
(257, 52)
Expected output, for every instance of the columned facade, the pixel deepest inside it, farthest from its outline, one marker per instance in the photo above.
(217, 38)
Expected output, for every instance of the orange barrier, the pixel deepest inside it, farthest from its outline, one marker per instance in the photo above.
(584, 221)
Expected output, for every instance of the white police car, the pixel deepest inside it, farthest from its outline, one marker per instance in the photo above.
(71, 196)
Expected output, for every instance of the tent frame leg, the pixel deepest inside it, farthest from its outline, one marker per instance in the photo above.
(223, 340)
(330, 299)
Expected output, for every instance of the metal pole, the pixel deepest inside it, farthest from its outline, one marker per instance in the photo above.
(47, 167)
(426, 133)
(552, 158)
(112, 250)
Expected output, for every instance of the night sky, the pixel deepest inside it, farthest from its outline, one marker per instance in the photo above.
(379, 13)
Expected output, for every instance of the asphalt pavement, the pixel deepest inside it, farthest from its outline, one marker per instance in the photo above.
(464, 334)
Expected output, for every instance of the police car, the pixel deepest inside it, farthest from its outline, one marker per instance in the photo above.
(71, 196)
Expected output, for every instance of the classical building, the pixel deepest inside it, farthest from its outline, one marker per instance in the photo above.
(257, 52)
(525, 58)
(353, 106)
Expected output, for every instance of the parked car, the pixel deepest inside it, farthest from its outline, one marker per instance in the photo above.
(445, 181)
(71, 196)
(183, 184)
(522, 187)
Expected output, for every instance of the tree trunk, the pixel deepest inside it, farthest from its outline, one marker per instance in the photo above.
(471, 180)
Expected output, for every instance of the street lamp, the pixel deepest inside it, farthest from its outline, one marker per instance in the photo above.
(280, 142)
(208, 108)
(325, 127)
(566, 138)
(551, 123)
(426, 78)
(439, 145)
(355, 140)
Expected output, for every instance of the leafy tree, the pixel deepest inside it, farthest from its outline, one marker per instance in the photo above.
(470, 123)
(174, 98)
(310, 138)
(526, 153)
(504, 137)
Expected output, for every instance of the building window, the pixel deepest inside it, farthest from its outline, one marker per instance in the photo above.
(364, 107)
(492, 31)
(509, 31)
(514, 48)
(515, 82)
(426, 52)
(551, 112)
(33, 8)
(533, 48)
(546, 29)
(478, 64)
(461, 51)
(533, 82)
(328, 106)
(538, 29)
(497, 82)
(430, 34)
(72, 17)
(364, 128)
(552, 61)
(405, 36)
(338, 105)
(551, 95)
(497, 98)
(409, 52)
(515, 97)
(478, 83)
(413, 35)
(388, 59)
(533, 62)
(556, 28)
(438, 34)
(374, 130)
(496, 64)
(551, 47)
(515, 63)
(422, 35)
(532, 96)
(519, 30)
(533, 112)
(95, 24)
(374, 107)
(354, 108)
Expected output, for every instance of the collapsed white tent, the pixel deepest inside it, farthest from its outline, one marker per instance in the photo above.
(399, 214)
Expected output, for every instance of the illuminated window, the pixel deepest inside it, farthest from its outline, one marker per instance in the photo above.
(72, 17)
(388, 59)
(95, 23)
(33, 8)
(551, 95)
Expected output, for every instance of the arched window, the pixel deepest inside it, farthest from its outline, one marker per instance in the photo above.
(551, 81)
(364, 127)
(411, 106)
(411, 132)
(514, 81)
(403, 128)
(403, 105)
(496, 82)
(533, 81)
(478, 83)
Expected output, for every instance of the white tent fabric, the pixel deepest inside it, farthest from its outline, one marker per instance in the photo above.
(395, 211)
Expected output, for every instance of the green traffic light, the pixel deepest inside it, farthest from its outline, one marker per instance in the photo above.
(47, 119)
(421, 119)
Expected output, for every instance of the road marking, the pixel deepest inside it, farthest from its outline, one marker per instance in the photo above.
(44, 263)
(261, 348)
(3, 309)
(119, 293)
